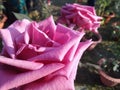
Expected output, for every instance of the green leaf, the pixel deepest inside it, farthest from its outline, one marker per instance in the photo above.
(20, 16)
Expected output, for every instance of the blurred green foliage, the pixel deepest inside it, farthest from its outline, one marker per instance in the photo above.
(106, 6)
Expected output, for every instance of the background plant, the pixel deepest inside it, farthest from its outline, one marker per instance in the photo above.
(101, 6)
(106, 6)
(112, 67)
(1, 6)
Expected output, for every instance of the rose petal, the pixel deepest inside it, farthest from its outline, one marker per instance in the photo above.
(21, 63)
(12, 32)
(8, 43)
(13, 80)
(48, 26)
(70, 69)
(28, 51)
(55, 83)
(81, 48)
(64, 11)
(19, 26)
(89, 8)
(36, 36)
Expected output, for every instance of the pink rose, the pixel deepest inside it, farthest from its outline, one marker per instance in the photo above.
(80, 16)
(40, 56)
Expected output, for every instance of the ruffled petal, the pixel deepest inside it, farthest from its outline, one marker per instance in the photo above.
(58, 53)
(82, 16)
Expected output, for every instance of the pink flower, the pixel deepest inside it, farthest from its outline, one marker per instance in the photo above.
(81, 16)
(40, 56)
(49, 2)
